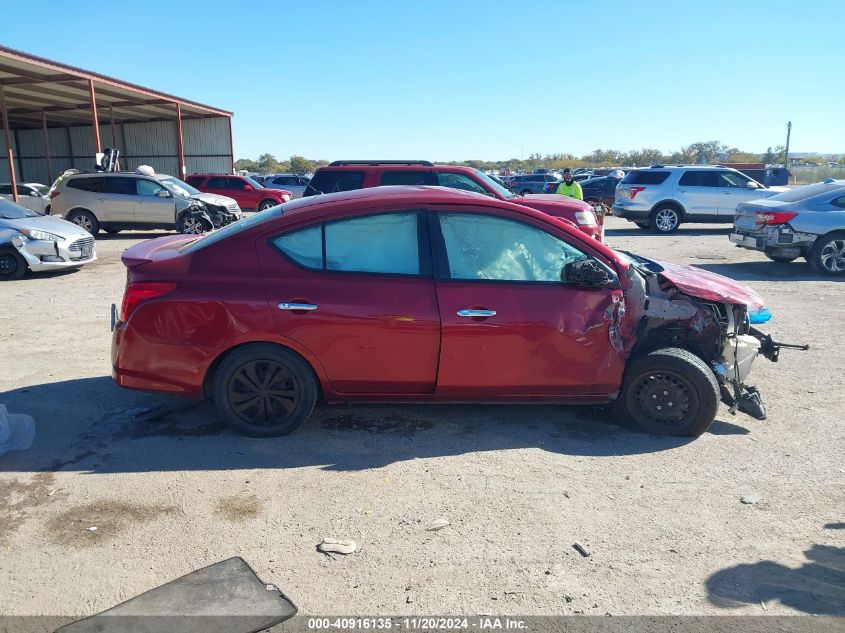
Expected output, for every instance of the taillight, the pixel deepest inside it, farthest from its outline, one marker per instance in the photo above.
(585, 217)
(53, 194)
(138, 291)
(633, 191)
(773, 218)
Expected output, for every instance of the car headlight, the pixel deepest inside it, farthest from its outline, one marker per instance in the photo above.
(285, 197)
(35, 234)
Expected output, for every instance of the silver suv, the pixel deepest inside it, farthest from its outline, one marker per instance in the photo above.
(114, 201)
(294, 183)
(661, 198)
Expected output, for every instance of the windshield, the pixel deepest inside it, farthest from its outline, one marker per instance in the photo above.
(42, 189)
(254, 183)
(12, 211)
(495, 186)
(180, 187)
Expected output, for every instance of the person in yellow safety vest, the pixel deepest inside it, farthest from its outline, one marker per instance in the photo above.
(569, 187)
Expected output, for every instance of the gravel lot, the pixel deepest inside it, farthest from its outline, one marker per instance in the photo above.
(170, 490)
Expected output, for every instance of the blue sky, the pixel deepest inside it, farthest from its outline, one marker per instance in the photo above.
(462, 79)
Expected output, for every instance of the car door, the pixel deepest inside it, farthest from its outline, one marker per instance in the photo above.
(243, 192)
(156, 204)
(457, 180)
(407, 177)
(510, 326)
(733, 189)
(358, 294)
(698, 192)
(219, 185)
(607, 192)
(116, 200)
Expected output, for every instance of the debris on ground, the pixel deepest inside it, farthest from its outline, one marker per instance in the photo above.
(439, 524)
(750, 498)
(334, 546)
(581, 549)
(17, 431)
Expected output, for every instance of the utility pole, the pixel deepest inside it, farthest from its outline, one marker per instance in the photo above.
(786, 151)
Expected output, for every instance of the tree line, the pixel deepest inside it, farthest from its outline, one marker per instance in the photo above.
(711, 152)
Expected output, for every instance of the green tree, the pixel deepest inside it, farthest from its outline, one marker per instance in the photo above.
(299, 164)
(268, 164)
(770, 156)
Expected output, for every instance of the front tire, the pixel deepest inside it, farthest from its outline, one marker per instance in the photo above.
(665, 219)
(112, 231)
(266, 204)
(85, 220)
(828, 255)
(670, 391)
(12, 264)
(188, 225)
(264, 390)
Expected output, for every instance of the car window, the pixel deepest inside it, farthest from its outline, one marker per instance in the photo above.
(333, 181)
(304, 246)
(235, 184)
(645, 177)
(148, 187)
(85, 184)
(492, 248)
(6, 190)
(405, 178)
(838, 202)
(731, 179)
(118, 185)
(194, 181)
(384, 243)
(216, 182)
(699, 178)
(459, 181)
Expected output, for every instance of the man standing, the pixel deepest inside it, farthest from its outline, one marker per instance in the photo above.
(569, 187)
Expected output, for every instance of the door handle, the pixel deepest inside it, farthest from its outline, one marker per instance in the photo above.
(476, 313)
(305, 307)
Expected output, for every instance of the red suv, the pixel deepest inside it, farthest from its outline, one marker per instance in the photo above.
(429, 294)
(344, 175)
(249, 194)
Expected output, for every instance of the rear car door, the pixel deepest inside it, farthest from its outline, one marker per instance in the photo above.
(510, 326)
(116, 200)
(698, 192)
(155, 203)
(358, 293)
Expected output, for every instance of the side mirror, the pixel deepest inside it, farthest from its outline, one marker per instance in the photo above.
(752, 185)
(249, 188)
(587, 273)
(163, 193)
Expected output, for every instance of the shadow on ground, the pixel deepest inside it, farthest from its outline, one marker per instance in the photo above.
(799, 270)
(817, 587)
(684, 230)
(91, 425)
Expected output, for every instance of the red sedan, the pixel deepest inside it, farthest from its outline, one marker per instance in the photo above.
(428, 294)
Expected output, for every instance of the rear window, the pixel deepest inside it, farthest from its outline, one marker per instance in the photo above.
(808, 191)
(85, 184)
(645, 177)
(333, 181)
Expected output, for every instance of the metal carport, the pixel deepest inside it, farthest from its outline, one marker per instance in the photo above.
(56, 117)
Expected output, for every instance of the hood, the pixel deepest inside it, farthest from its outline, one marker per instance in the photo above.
(213, 198)
(544, 201)
(703, 284)
(50, 223)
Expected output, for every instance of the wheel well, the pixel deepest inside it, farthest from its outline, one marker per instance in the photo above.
(670, 203)
(208, 381)
(275, 203)
(78, 209)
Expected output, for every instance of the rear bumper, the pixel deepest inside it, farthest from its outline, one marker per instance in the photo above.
(780, 240)
(630, 212)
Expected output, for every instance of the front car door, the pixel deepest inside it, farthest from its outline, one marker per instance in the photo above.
(155, 203)
(358, 294)
(698, 191)
(510, 326)
(116, 200)
(734, 188)
(457, 180)
(243, 192)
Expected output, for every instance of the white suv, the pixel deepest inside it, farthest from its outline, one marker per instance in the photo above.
(661, 198)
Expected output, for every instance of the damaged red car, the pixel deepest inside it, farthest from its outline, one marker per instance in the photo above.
(428, 294)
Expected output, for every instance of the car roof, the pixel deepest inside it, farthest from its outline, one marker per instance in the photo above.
(393, 166)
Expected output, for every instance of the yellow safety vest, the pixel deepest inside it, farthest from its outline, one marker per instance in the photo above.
(573, 190)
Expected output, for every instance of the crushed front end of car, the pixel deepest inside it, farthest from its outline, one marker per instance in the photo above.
(712, 316)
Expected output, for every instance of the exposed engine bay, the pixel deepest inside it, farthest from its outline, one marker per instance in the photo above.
(714, 328)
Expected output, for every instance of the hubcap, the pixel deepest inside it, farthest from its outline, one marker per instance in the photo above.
(666, 219)
(8, 264)
(833, 256)
(84, 221)
(663, 397)
(263, 392)
(192, 226)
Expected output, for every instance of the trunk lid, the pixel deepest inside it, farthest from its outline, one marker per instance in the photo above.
(745, 218)
(159, 255)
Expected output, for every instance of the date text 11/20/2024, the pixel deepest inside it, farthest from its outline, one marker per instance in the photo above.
(481, 623)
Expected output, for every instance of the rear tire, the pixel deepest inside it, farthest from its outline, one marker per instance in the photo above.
(828, 255)
(84, 219)
(780, 258)
(264, 390)
(12, 264)
(670, 391)
(665, 219)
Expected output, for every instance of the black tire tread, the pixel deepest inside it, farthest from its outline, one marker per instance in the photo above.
(22, 265)
(814, 256)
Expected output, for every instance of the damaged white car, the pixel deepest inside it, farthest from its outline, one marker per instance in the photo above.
(37, 243)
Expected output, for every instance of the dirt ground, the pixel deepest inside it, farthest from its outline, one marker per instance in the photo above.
(170, 490)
